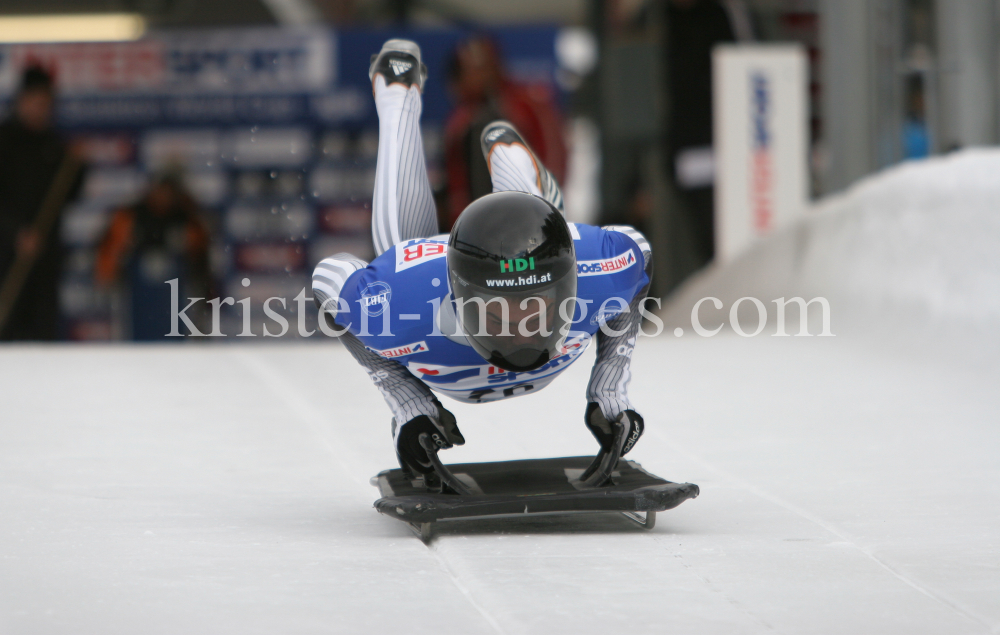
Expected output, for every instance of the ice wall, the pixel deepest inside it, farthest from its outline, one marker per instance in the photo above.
(914, 249)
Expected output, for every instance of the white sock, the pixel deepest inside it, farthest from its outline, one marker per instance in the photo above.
(513, 169)
(403, 204)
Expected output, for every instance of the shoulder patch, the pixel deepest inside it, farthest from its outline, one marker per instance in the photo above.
(418, 251)
(634, 234)
(606, 265)
(375, 298)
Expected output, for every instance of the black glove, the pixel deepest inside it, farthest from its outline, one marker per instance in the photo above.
(443, 431)
(600, 427)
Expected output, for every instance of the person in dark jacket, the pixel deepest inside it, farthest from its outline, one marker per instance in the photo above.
(160, 237)
(694, 28)
(31, 153)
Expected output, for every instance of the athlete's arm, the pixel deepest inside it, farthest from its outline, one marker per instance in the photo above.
(407, 396)
(607, 392)
(415, 411)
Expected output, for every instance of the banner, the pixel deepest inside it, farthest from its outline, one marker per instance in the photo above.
(229, 61)
(273, 130)
(761, 142)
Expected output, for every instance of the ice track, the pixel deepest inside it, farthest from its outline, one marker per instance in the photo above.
(224, 489)
(850, 485)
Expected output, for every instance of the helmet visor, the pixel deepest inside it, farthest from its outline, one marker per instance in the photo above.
(517, 331)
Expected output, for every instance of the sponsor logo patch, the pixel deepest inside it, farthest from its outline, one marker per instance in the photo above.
(520, 281)
(375, 298)
(417, 252)
(576, 344)
(606, 266)
(603, 316)
(517, 264)
(399, 66)
(403, 351)
(494, 134)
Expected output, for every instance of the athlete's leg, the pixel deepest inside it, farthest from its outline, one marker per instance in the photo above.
(403, 204)
(514, 167)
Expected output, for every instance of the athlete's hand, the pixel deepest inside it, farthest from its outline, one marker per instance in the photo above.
(600, 427)
(442, 430)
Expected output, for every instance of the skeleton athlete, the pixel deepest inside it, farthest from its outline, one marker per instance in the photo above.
(496, 309)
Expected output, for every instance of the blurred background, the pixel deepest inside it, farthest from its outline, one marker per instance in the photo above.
(230, 144)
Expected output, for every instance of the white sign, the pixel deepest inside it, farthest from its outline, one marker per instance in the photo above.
(761, 142)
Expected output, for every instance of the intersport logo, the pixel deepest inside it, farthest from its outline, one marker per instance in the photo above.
(606, 266)
(402, 351)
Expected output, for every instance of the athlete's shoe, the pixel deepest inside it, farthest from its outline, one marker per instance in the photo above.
(503, 132)
(399, 63)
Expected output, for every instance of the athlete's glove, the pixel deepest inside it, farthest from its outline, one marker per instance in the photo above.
(442, 430)
(600, 427)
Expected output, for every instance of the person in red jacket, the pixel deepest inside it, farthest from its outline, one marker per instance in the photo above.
(483, 93)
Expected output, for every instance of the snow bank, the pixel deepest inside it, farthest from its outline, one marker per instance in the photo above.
(915, 248)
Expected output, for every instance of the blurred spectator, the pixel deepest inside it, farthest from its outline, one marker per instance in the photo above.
(159, 238)
(658, 167)
(483, 93)
(916, 138)
(31, 155)
(694, 27)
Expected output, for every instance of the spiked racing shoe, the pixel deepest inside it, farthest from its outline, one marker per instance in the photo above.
(399, 63)
(503, 132)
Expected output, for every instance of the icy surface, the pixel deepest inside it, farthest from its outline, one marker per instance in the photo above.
(850, 484)
(225, 490)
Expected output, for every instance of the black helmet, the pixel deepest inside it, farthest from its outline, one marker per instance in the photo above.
(511, 265)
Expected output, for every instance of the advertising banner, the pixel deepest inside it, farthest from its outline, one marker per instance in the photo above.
(761, 142)
(272, 131)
